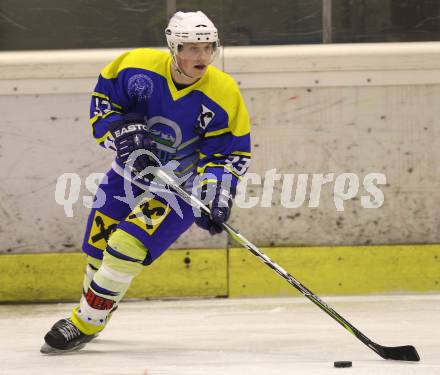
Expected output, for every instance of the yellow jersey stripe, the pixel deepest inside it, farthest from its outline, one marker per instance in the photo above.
(109, 113)
(238, 153)
(188, 168)
(142, 58)
(241, 153)
(103, 138)
(216, 133)
(102, 96)
(201, 170)
(94, 119)
(206, 182)
(226, 95)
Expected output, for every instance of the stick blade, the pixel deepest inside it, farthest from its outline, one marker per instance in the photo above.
(400, 353)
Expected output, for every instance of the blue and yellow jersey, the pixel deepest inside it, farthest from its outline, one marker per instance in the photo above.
(205, 126)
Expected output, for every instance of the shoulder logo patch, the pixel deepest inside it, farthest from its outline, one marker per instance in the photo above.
(205, 117)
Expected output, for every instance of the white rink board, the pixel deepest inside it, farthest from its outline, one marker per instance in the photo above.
(227, 337)
(338, 108)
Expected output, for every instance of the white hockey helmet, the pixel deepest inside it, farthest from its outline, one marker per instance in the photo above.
(190, 27)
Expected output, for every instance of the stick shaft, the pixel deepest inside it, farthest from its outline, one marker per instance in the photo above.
(264, 258)
(403, 353)
(299, 286)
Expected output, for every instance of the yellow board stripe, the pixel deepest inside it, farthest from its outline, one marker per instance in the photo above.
(337, 270)
(59, 276)
(341, 270)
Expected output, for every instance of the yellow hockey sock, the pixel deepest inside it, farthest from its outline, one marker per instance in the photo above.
(109, 283)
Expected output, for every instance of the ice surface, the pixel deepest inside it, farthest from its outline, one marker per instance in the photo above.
(222, 336)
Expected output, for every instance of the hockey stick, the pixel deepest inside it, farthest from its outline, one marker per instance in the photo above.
(399, 353)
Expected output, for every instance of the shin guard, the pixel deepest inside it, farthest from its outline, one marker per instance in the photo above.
(122, 262)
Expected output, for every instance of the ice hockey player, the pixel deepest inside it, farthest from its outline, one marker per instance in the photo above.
(179, 108)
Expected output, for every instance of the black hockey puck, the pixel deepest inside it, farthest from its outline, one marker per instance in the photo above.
(341, 364)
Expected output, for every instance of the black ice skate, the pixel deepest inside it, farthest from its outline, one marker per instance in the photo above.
(64, 337)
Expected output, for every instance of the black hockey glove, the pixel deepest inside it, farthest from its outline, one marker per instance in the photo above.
(220, 210)
(131, 134)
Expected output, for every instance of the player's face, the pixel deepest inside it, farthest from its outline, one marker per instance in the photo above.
(194, 58)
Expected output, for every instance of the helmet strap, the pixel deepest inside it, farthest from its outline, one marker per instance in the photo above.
(179, 70)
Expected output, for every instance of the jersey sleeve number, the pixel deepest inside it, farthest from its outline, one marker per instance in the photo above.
(238, 164)
(102, 106)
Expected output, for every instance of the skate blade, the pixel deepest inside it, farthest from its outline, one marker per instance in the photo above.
(47, 349)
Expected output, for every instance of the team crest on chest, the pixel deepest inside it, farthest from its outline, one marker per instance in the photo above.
(140, 87)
